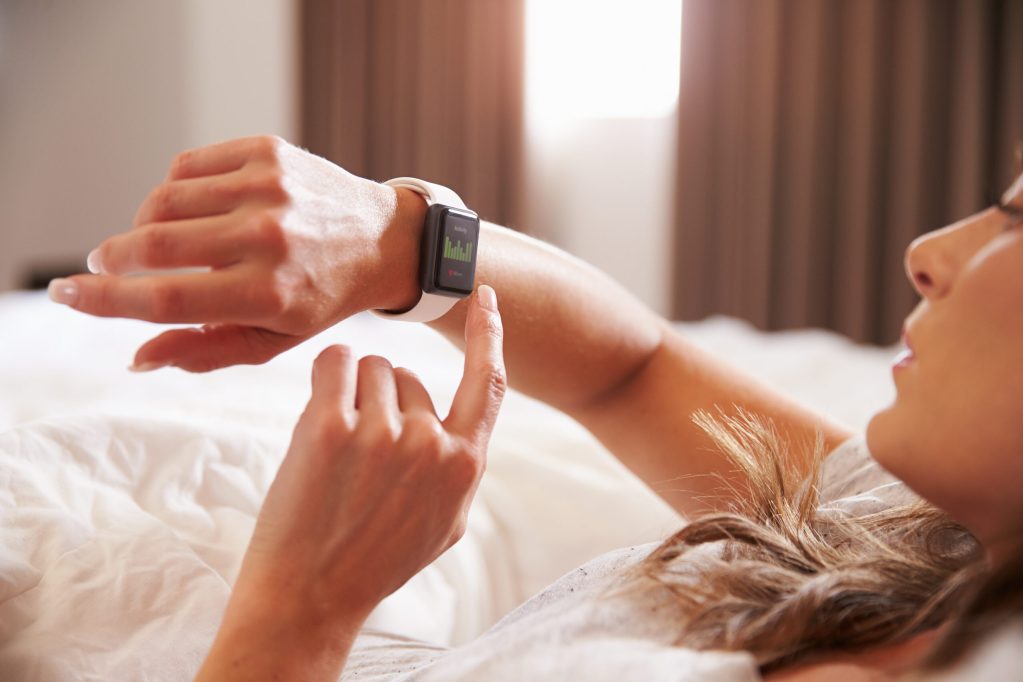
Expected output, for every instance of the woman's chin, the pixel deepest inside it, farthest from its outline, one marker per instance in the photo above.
(880, 436)
(893, 441)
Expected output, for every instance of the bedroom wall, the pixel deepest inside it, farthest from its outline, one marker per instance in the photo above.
(601, 189)
(97, 97)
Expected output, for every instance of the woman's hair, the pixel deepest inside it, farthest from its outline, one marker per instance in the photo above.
(787, 580)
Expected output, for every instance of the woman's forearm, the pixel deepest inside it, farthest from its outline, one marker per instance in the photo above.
(577, 340)
(572, 334)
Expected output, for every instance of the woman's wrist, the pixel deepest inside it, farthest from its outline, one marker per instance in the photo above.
(256, 652)
(398, 275)
(276, 638)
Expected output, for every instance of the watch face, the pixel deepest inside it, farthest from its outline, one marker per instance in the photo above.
(457, 240)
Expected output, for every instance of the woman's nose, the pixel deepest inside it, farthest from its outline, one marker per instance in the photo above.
(925, 266)
(933, 260)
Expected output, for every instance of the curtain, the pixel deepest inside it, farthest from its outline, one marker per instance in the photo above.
(424, 88)
(818, 138)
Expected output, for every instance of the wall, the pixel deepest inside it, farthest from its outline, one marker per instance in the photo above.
(97, 97)
(601, 188)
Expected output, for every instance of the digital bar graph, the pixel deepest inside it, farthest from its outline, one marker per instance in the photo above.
(455, 250)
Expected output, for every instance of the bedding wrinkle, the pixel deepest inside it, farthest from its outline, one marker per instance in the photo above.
(146, 488)
(120, 567)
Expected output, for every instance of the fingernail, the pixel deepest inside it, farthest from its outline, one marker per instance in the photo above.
(147, 366)
(63, 291)
(93, 262)
(488, 299)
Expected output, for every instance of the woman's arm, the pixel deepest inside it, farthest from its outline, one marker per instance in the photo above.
(297, 244)
(578, 341)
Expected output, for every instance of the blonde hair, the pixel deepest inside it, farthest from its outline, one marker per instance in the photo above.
(792, 581)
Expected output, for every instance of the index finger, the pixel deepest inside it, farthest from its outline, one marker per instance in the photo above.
(484, 381)
(217, 296)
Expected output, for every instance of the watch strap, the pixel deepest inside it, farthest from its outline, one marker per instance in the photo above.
(433, 193)
(430, 306)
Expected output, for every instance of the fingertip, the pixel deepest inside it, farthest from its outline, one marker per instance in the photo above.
(146, 366)
(94, 262)
(331, 359)
(487, 297)
(406, 373)
(484, 318)
(334, 351)
(64, 291)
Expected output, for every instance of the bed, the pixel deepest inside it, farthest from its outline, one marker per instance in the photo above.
(127, 499)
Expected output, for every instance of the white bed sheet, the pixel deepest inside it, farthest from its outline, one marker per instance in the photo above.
(127, 499)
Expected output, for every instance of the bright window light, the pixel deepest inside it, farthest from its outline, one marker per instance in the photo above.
(602, 58)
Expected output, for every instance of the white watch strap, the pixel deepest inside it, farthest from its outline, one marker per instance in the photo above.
(434, 194)
(430, 306)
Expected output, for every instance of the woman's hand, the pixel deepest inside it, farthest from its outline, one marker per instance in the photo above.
(292, 243)
(374, 487)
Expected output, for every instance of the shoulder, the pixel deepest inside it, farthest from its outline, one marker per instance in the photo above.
(890, 662)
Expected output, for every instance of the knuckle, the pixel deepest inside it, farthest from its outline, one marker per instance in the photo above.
(167, 302)
(460, 527)
(490, 325)
(268, 233)
(269, 186)
(327, 428)
(424, 434)
(265, 147)
(181, 163)
(162, 201)
(268, 298)
(497, 381)
(377, 434)
(464, 468)
(153, 246)
(220, 191)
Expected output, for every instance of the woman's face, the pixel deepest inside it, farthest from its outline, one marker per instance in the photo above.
(954, 432)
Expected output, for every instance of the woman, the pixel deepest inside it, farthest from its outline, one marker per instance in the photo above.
(297, 244)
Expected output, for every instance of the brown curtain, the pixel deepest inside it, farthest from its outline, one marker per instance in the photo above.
(426, 88)
(818, 138)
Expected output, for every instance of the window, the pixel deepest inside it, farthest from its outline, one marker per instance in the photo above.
(602, 58)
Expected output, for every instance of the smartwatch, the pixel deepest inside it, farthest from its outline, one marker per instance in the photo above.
(447, 253)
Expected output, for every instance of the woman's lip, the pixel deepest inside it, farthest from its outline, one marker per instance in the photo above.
(905, 339)
(906, 357)
(903, 359)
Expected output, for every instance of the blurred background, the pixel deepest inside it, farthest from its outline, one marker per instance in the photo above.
(766, 159)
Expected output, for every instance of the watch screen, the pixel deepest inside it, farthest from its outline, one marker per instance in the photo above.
(456, 248)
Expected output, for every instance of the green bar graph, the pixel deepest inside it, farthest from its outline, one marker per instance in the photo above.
(455, 250)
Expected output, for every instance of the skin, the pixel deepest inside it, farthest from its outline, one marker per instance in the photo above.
(953, 432)
(295, 244)
(373, 488)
